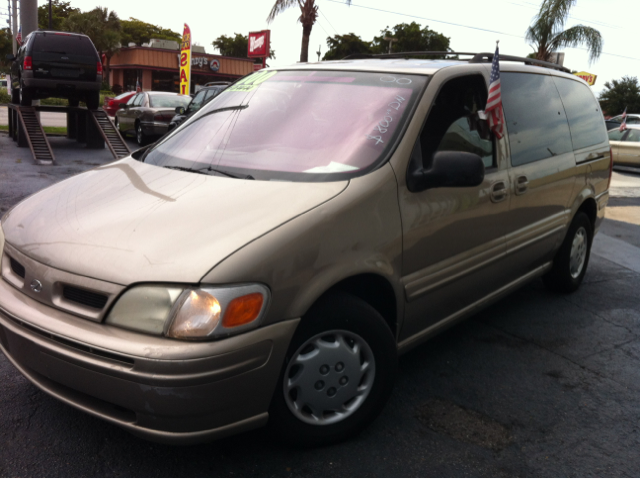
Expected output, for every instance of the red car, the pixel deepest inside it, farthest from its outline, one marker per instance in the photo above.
(112, 105)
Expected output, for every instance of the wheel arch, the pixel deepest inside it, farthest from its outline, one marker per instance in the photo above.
(374, 290)
(590, 208)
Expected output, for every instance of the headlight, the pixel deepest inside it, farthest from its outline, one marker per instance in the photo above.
(191, 313)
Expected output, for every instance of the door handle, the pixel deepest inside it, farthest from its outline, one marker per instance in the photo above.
(521, 185)
(498, 192)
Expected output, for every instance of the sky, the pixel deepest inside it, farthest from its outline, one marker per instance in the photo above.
(464, 21)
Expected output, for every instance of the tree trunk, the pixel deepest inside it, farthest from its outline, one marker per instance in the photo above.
(107, 70)
(304, 52)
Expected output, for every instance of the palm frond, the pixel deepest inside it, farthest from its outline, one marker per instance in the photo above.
(578, 35)
(553, 14)
(279, 7)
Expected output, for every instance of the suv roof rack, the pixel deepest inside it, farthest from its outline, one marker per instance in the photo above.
(476, 58)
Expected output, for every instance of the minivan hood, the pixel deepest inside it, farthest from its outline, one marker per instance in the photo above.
(129, 222)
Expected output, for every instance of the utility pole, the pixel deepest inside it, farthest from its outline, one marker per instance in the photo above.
(50, 27)
(318, 52)
(14, 25)
(28, 16)
(390, 40)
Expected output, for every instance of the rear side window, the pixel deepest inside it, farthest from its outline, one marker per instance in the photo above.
(615, 135)
(535, 117)
(63, 44)
(583, 113)
(633, 136)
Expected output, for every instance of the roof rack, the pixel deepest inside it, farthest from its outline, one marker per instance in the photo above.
(476, 58)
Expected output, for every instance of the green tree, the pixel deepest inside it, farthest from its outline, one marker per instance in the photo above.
(6, 47)
(237, 46)
(102, 26)
(139, 32)
(60, 12)
(308, 17)
(341, 46)
(411, 38)
(621, 94)
(546, 34)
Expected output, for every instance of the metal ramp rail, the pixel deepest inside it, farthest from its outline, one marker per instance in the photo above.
(93, 127)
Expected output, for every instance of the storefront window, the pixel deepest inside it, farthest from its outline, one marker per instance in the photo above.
(165, 81)
(130, 77)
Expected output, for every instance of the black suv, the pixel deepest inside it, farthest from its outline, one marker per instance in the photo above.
(204, 95)
(56, 64)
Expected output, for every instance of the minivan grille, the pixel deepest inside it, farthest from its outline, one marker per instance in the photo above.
(82, 296)
(17, 268)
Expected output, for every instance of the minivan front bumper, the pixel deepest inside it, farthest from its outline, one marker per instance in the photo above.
(171, 391)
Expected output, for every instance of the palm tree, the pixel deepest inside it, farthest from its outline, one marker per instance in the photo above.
(102, 26)
(547, 35)
(308, 16)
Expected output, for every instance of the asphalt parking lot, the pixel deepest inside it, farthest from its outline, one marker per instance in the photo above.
(537, 385)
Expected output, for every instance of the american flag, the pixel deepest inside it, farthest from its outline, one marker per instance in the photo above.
(623, 126)
(494, 102)
(138, 87)
(19, 36)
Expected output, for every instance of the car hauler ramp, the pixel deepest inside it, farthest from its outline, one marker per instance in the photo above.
(92, 127)
(110, 134)
(29, 131)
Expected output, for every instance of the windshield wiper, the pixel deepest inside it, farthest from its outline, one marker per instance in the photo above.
(203, 171)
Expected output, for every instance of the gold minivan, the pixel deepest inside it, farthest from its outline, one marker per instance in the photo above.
(268, 260)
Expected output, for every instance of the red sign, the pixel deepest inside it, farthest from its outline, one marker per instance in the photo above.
(258, 45)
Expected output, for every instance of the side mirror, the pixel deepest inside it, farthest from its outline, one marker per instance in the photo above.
(180, 110)
(10, 57)
(453, 169)
(123, 105)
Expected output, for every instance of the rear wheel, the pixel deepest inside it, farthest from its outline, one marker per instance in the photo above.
(141, 138)
(26, 96)
(338, 373)
(15, 96)
(93, 100)
(571, 261)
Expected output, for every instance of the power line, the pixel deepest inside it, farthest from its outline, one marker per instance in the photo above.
(470, 27)
(325, 17)
(428, 19)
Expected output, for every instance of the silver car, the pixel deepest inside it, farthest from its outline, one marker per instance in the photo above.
(270, 258)
(147, 114)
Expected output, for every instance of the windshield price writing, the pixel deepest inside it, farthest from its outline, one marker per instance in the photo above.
(383, 125)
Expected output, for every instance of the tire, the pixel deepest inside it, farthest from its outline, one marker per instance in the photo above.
(571, 261)
(74, 102)
(141, 138)
(15, 96)
(93, 100)
(26, 96)
(334, 327)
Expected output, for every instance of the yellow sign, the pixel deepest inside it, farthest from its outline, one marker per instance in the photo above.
(185, 61)
(590, 78)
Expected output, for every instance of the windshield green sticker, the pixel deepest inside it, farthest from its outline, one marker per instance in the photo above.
(252, 81)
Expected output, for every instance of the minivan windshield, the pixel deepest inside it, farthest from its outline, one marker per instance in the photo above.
(295, 126)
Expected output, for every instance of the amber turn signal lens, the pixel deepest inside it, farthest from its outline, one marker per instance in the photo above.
(243, 310)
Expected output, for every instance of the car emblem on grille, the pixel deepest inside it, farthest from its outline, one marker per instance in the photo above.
(36, 286)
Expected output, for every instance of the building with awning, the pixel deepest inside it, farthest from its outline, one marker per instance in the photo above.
(156, 66)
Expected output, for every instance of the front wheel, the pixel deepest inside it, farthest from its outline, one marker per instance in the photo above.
(572, 259)
(338, 373)
(15, 96)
